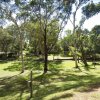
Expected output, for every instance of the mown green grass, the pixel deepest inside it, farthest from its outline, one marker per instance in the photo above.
(61, 82)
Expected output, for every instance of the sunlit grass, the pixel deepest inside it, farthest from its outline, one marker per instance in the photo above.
(61, 82)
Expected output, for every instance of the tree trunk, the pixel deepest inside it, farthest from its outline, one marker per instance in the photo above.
(31, 88)
(22, 61)
(45, 52)
(21, 53)
(78, 59)
(76, 64)
(84, 60)
(83, 57)
(75, 54)
(5, 56)
(53, 58)
(46, 62)
(94, 58)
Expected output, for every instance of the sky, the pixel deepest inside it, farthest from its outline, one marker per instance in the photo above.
(89, 24)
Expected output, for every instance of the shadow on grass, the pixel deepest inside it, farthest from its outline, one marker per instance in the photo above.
(3, 61)
(49, 85)
(57, 80)
(88, 67)
(16, 66)
(10, 86)
(91, 87)
(53, 83)
(35, 65)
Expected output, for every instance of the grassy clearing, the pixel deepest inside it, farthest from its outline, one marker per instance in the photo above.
(4, 65)
(62, 81)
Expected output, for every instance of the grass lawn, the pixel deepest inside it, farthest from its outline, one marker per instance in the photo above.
(62, 82)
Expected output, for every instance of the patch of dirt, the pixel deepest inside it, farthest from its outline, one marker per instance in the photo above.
(90, 95)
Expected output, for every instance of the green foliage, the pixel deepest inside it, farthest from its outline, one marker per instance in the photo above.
(95, 39)
(5, 40)
(33, 2)
(96, 30)
(36, 37)
(91, 9)
(17, 2)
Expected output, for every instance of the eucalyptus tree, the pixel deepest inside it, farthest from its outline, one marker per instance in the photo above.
(83, 44)
(36, 39)
(13, 31)
(77, 4)
(67, 42)
(46, 12)
(88, 11)
(6, 41)
(10, 12)
(91, 9)
(95, 40)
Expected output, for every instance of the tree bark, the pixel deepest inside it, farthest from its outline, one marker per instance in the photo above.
(83, 56)
(31, 88)
(84, 60)
(21, 53)
(76, 64)
(75, 54)
(45, 52)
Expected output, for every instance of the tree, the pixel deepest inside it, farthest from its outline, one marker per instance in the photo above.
(91, 9)
(7, 13)
(77, 4)
(47, 12)
(66, 42)
(95, 39)
(12, 30)
(5, 41)
(83, 44)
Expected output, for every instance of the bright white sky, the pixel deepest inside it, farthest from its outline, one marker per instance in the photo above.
(89, 24)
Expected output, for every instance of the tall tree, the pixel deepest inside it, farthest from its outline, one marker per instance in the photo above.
(47, 12)
(6, 41)
(9, 12)
(77, 5)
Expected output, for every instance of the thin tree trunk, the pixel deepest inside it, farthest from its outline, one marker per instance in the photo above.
(94, 59)
(78, 59)
(46, 63)
(22, 61)
(84, 60)
(75, 54)
(45, 44)
(53, 58)
(76, 64)
(21, 53)
(45, 52)
(31, 88)
(83, 56)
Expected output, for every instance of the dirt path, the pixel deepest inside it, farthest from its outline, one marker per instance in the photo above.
(91, 95)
